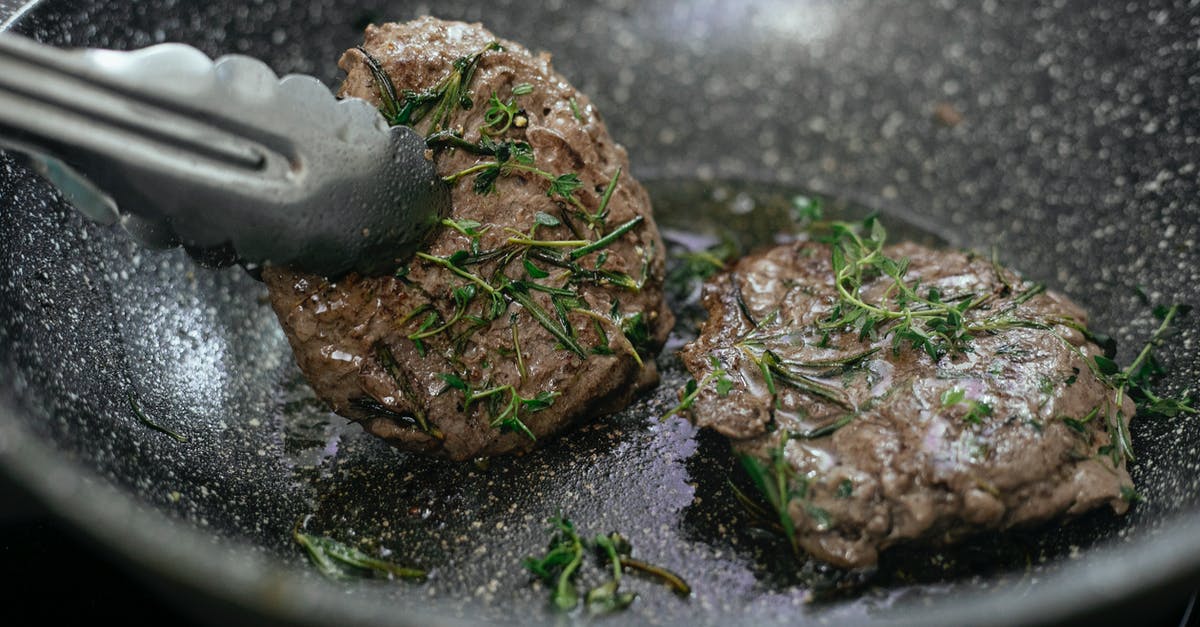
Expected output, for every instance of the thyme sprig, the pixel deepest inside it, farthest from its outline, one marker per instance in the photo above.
(562, 563)
(926, 319)
(506, 405)
(501, 115)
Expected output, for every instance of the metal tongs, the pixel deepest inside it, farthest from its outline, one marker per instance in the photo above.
(221, 156)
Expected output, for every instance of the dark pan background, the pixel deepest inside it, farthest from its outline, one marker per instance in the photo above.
(1077, 153)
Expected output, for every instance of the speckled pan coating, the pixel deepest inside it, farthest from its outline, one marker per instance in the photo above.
(1064, 131)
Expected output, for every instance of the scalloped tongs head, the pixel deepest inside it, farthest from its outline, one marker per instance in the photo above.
(220, 155)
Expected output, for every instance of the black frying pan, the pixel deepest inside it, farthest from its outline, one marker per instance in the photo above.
(1066, 134)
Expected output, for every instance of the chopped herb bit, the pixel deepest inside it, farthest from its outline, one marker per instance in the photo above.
(544, 219)
(522, 89)
(1130, 495)
(141, 416)
(692, 390)
(575, 109)
(845, 489)
(339, 561)
(694, 267)
(976, 410)
(807, 210)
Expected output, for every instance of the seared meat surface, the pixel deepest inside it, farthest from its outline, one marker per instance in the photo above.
(880, 441)
(528, 308)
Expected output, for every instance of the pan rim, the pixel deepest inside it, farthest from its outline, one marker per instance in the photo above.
(1167, 556)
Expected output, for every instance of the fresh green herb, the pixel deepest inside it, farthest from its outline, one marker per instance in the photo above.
(692, 390)
(607, 239)
(927, 321)
(845, 489)
(976, 410)
(779, 485)
(1131, 495)
(141, 416)
(575, 109)
(339, 561)
(807, 210)
(438, 103)
(504, 403)
(502, 115)
(693, 267)
(560, 566)
(607, 597)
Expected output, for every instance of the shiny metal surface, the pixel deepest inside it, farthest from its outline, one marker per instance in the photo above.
(220, 155)
(1063, 132)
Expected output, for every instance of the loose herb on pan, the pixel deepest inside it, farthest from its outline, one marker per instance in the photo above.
(1135, 381)
(339, 561)
(562, 565)
(141, 417)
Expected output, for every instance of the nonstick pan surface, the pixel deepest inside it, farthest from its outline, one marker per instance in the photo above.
(1066, 133)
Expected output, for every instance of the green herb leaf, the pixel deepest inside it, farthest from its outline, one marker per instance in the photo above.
(564, 185)
(339, 561)
(544, 219)
(534, 271)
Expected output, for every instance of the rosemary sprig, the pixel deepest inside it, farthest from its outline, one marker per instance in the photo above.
(388, 361)
(437, 103)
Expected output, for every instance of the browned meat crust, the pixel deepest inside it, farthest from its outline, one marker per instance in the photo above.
(932, 450)
(354, 338)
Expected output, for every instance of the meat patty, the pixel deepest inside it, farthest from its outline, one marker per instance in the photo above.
(538, 300)
(885, 431)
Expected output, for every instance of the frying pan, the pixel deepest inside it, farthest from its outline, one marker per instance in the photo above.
(1064, 132)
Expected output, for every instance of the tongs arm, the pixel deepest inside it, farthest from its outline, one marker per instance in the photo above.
(210, 154)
